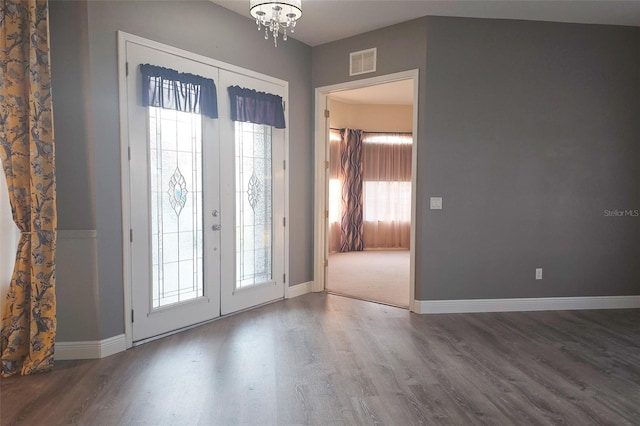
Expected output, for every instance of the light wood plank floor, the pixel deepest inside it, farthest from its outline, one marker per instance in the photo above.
(325, 359)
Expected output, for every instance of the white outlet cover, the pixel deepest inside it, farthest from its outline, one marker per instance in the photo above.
(435, 203)
(538, 273)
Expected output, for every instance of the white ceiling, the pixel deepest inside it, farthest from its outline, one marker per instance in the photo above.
(396, 93)
(324, 21)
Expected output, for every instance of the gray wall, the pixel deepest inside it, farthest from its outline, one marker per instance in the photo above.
(529, 131)
(199, 27)
(533, 130)
(72, 116)
(76, 283)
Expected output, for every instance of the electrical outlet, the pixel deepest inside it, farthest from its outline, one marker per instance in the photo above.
(538, 273)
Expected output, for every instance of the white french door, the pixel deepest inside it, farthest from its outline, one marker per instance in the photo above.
(206, 204)
(254, 197)
(175, 258)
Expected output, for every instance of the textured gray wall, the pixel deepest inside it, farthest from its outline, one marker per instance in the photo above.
(70, 93)
(204, 28)
(533, 131)
(77, 286)
(529, 131)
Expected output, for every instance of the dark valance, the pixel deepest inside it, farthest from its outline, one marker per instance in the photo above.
(170, 89)
(251, 106)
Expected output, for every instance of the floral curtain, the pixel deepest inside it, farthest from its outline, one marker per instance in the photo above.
(27, 154)
(250, 106)
(171, 89)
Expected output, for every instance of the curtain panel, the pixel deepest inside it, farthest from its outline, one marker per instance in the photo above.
(170, 89)
(28, 161)
(351, 238)
(251, 106)
(335, 191)
(387, 190)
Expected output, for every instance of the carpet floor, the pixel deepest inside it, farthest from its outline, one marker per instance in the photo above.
(379, 276)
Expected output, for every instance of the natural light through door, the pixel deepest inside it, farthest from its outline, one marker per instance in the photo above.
(175, 154)
(254, 212)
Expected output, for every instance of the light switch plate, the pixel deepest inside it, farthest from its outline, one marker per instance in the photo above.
(435, 203)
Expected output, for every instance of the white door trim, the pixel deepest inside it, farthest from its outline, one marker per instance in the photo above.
(123, 38)
(321, 155)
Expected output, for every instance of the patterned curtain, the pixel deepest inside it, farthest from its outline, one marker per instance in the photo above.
(27, 153)
(351, 177)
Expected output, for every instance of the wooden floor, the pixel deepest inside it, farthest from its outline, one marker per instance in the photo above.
(325, 359)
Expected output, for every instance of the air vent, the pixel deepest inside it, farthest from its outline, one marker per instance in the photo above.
(362, 62)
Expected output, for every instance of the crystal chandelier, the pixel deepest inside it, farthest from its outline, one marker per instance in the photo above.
(275, 16)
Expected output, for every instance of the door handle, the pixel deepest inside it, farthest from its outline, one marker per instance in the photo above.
(216, 227)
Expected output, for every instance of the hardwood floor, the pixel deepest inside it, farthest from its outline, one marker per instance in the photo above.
(325, 359)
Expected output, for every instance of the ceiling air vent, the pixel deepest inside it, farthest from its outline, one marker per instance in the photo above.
(362, 62)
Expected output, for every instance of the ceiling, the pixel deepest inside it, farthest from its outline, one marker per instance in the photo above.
(396, 93)
(324, 21)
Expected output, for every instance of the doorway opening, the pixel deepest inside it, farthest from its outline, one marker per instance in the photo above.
(366, 188)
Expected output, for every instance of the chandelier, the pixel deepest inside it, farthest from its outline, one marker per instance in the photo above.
(275, 16)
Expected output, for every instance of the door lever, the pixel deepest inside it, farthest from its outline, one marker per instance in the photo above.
(216, 227)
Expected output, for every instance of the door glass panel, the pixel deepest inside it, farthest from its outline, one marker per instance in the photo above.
(175, 156)
(254, 224)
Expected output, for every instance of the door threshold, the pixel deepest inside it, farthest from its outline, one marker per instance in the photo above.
(189, 327)
(335, 293)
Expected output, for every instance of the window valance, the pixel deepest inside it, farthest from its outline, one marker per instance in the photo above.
(250, 106)
(170, 89)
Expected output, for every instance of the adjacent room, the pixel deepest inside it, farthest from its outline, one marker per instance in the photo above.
(370, 202)
(319, 212)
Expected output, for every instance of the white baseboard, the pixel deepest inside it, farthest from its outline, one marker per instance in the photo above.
(300, 289)
(525, 304)
(90, 350)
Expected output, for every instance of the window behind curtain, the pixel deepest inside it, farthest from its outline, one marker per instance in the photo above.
(387, 189)
(8, 242)
(335, 191)
(386, 192)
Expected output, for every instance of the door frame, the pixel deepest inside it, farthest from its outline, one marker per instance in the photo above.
(123, 38)
(322, 154)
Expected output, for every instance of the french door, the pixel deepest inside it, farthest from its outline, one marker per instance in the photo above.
(206, 204)
(253, 191)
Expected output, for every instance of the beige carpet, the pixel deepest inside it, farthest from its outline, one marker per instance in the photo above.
(380, 276)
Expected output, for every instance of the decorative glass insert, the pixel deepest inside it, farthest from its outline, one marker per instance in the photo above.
(254, 221)
(175, 163)
(177, 191)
